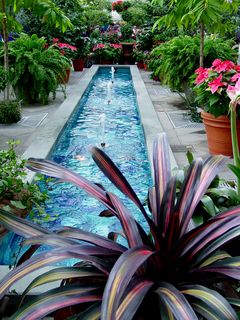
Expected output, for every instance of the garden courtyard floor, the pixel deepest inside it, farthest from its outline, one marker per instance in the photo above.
(169, 106)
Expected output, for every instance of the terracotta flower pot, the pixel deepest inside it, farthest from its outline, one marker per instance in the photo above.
(78, 64)
(140, 65)
(66, 78)
(219, 133)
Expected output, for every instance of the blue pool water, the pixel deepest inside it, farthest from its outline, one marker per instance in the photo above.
(125, 144)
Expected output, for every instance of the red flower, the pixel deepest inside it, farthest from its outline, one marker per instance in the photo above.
(216, 83)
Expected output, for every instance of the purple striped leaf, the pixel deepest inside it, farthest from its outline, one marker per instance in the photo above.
(209, 303)
(92, 313)
(209, 237)
(91, 238)
(119, 278)
(210, 169)
(52, 169)
(127, 221)
(116, 177)
(152, 203)
(60, 274)
(133, 299)
(56, 299)
(48, 258)
(20, 226)
(174, 301)
(111, 171)
(229, 267)
(52, 240)
(187, 193)
(162, 168)
(167, 207)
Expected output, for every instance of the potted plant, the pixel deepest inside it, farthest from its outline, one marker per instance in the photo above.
(35, 68)
(83, 49)
(211, 93)
(107, 53)
(139, 56)
(68, 51)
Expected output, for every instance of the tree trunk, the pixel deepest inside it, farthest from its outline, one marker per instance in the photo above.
(201, 44)
(5, 39)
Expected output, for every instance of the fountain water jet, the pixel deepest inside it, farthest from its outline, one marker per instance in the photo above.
(109, 87)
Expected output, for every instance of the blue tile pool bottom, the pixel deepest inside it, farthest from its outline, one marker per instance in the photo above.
(123, 135)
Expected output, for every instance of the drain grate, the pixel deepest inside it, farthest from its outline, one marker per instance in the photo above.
(32, 121)
(181, 119)
(181, 148)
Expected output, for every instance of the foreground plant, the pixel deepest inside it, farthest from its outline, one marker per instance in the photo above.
(174, 273)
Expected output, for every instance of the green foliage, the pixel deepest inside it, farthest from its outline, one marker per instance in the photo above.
(177, 272)
(35, 70)
(126, 31)
(95, 17)
(3, 78)
(16, 194)
(110, 52)
(175, 61)
(135, 16)
(10, 112)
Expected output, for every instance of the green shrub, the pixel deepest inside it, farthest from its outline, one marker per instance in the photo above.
(135, 16)
(175, 61)
(35, 68)
(126, 31)
(10, 112)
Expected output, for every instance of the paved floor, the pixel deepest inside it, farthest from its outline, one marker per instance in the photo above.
(169, 107)
(182, 133)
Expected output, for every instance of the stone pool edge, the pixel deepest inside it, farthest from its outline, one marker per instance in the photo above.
(48, 134)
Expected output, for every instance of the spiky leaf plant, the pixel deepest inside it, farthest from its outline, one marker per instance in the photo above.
(174, 273)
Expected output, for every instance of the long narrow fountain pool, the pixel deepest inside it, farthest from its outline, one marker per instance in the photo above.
(106, 115)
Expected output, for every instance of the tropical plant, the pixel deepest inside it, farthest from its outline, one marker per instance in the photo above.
(175, 61)
(177, 272)
(205, 14)
(135, 16)
(212, 85)
(111, 52)
(16, 194)
(126, 31)
(35, 68)
(47, 10)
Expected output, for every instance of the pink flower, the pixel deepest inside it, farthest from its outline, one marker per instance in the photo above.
(216, 83)
(200, 70)
(115, 46)
(202, 75)
(55, 40)
(98, 46)
(222, 66)
(234, 91)
(235, 77)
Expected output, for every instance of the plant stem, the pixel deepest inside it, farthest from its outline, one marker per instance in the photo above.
(5, 39)
(234, 136)
(201, 44)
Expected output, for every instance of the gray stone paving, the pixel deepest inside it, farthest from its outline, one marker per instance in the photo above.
(181, 138)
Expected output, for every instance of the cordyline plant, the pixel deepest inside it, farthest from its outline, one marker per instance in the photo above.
(174, 273)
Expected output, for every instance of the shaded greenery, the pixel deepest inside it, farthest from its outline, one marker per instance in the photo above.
(16, 194)
(175, 61)
(10, 112)
(35, 69)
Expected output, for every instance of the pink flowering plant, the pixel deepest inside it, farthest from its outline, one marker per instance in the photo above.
(111, 52)
(213, 85)
(66, 49)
